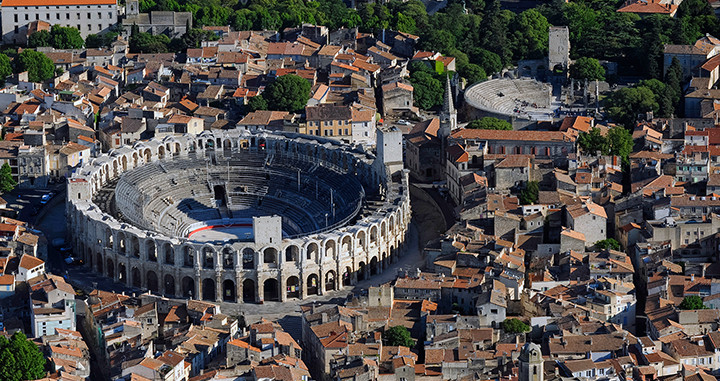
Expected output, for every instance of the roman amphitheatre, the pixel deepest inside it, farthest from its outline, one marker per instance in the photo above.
(239, 216)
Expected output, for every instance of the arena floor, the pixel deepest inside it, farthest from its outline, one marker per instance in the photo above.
(220, 233)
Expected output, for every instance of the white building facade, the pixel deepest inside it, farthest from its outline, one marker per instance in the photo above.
(88, 16)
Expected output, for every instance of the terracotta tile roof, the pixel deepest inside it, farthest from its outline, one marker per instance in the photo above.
(649, 6)
(541, 136)
(29, 262)
(514, 161)
(573, 234)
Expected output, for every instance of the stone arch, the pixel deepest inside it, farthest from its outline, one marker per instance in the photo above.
(135, 246)
(147, 155)
(383, 231)
(114, 169)
(124, 163)
(99, 263)
(161, 152)
(311, 251)
(313, 285)
(136, 279)
(347, 277)
(122, 272)
(169, 251)
(228, 258)
(330, 248)
(346, 245)
(188, 256)
(248, 291)
(152, 281)
(122, 245)
(108, 238)
(169, 285)
(248, 258)
(208, 289)
(360, 237)
(292, 253)
(361, 271)
(151, 250)
(271, 290)
(208, 257)
(330, 281)
(229, 289)
(135, 158)
(109, 268)
(188, 287)
(293, 287)
(373, 234)
(373, 266)
(270, 255)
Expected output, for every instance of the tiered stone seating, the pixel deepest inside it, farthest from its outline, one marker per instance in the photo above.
(174, 195)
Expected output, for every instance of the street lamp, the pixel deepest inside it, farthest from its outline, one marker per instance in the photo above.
(326, 220)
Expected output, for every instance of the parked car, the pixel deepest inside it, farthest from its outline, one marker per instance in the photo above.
(45, 198)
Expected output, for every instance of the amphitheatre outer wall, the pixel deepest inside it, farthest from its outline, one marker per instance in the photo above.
(287, 268)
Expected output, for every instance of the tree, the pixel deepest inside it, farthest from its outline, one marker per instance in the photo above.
(5, 68)
(620, 142)
(473, 73)
(288, 93)
(427, 90)
(490, 123)
(513, 325)
(63, 37)
(39, 38)
(692, 302)
(399, 336)
(673, 83)
(488, 60)
(40, 68)
(142, 42)
(625, 104)
(587, 68)
(257, 102)
(593, 142)
(609, 243)
(20, 359)
(530, 194)
(94, 41)
(7, 183)
(529, 35)
(194, 37)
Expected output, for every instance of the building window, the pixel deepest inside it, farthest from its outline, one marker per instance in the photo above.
(16, 18)
(27, 17)
(100, 15)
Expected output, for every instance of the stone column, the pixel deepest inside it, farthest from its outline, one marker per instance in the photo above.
(178, 282)
(282, 292)
(218, 287)
(260, 296)
(198, 285)
(238, 284)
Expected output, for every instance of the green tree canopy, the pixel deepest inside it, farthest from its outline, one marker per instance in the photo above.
(473, 73)
(63, 37)
(40, 38)
(288, 93)
(609, 243)
(427, 90)
(490, 123)
(692, 302)
(257, 102)
(142, 42)
(399, 336)
(529, 35)
(7, 183)
(625, 104)
(94, 41)
(593, 142)
(587, 68)
(530, 194)
(5, 68)
(513, 325)
(620, 142)
(40, 68)
(488, 60)
(20, 359)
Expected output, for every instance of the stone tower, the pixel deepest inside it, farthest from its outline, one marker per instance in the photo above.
(132, 8)
(531, 363)
(559, 48)
(448, 115)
